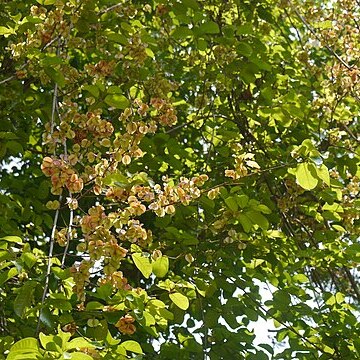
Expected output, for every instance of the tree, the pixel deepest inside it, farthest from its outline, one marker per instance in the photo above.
(162, 163)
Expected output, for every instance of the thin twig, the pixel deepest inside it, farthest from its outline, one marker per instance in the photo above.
(294, 27)
(328, 47)
(353, 283)
(7, 79)
(55, 97)
(109, 9)
(283, 323)
(350, 133)
(181, 125)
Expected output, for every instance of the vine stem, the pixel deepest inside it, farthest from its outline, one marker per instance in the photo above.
(54, 109)
(328, 47)
(56, 217)
(48, 270)
(71, 219)
(68, 234)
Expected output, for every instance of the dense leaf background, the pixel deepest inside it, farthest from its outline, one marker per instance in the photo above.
(162, 163)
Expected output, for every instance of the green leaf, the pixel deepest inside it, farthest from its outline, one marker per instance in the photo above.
(94, 305)
(245, 29)
(7, 135)
(135, 248)
(258, 218)
(155, 303)
(179, 300)
(121, 352)
(208, 27)
(92, 89)
(60, 273)
(7, 275)
(148, 319)
(24, 349)
(263, 208)
(23, 298)
(143, 264)
(150, 53)
(182, 32)
(117, 101)
(5, 31)
(116, 37)
(328, 349)
(323, 174)
(55, 75)
(26, 344)
(244, 49)
(64, 336)
(117, 179)
(281, 299)
(202, 44)
(335, 226)
(46, 2)
(15, 147)
(306, 176)
(260, 355)
(340, 297)
(255, 263)
(245, 222)
(113, 89)
(78, 343)
(211, 318)
(132, 346)
(110, 340)
(51, 59)
(191, 4)
(301, 278)
(166, 314)
(50, 342)
(47, 318)
(43, 190)
(61, 304)
(242, 200)
(29, 259)
(160, 266)
(23, 355)
(231, 203)
(77, 356)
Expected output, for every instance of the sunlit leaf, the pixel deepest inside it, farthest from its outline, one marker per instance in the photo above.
(133, 346)
(143, 264)
(179, 300)
(7, 275)
(117, 101)
(160, 266)
(306, 176)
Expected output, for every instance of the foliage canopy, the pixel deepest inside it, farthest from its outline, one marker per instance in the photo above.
(163, 163)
